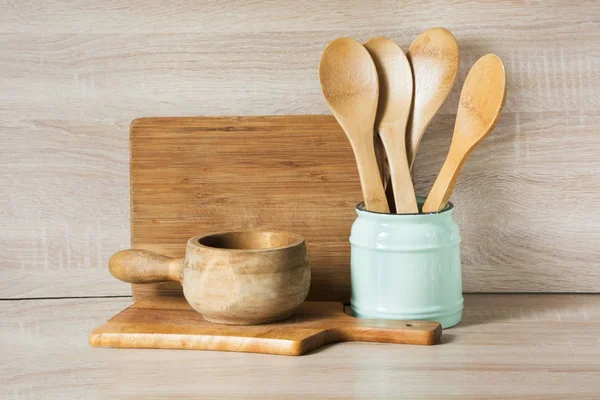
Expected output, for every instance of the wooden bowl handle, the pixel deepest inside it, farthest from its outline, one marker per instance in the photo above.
(141, 266)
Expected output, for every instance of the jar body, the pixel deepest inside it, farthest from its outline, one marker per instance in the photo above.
(406, 266)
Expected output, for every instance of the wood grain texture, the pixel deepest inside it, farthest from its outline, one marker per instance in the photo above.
(170, 323)
(192, 176)
(508, 346)
(513, 208)
(75, 73)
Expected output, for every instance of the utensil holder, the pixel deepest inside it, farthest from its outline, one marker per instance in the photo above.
(406, 266)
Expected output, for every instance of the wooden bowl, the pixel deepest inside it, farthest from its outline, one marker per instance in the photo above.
(234, 278)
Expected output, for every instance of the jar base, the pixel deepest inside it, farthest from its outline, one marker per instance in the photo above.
(447, 317)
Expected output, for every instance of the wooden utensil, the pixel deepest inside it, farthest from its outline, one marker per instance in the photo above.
(395, 98)
(235, 278)
(481, 102)
(170, 323)
(351, 88)
(434, 59)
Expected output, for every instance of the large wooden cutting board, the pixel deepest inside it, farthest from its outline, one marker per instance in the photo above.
(191, 176)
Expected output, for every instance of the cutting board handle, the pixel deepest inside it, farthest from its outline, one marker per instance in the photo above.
(142, 266)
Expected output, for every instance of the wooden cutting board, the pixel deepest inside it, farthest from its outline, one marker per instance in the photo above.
(191, 176)
(170, 323)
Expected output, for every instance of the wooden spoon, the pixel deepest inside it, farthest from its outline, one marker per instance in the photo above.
(481, 102)
(434, 59)
(351, 88)
(395, 98)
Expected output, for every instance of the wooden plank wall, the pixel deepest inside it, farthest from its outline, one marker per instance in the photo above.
(74, 73)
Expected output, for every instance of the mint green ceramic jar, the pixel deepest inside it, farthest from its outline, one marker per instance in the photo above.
(406, 266)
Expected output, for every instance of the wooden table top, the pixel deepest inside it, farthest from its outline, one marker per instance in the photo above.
(518, 346)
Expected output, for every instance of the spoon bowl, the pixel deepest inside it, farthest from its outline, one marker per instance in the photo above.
(351, 88)
(435, 60)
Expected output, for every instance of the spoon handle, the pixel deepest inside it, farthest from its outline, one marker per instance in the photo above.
(141, 266)
(392, 136)
(370, 178)
(445, 181)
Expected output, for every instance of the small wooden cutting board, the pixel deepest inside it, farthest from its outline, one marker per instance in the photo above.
(170, 323)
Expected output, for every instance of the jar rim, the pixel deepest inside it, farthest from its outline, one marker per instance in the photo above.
(420, 200)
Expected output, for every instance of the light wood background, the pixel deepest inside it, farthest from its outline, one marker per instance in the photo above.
(74, 73)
